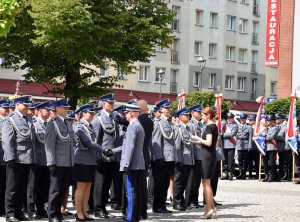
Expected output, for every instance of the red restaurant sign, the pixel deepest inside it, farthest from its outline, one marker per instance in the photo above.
(272, 33)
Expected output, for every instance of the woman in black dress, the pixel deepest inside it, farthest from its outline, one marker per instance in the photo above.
(208, 140)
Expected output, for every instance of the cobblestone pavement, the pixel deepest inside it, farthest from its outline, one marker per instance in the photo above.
(243, 200)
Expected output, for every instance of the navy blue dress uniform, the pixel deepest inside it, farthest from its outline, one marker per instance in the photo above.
(192, 189)
(184, 156)
(229, 133)
(107, 133)
(59, 146)
(37, 193)
(4, 106)
(244, 140)
(18, 138)
(162, 158)
(132, 165)
(253, 153)
(281, 145)
(269, 159)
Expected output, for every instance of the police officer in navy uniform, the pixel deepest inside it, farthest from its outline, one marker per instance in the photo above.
(192, 189)
(18, 138)
(59, 146)
(229, 132)
(184, 156)
(107, 133)
(162, 156)
(4, 111)
(40, 173)
(271, 149)
(132, 162)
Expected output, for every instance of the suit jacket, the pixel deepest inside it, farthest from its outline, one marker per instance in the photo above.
(244, 137)
(40, 150)
(107, 137)
(2, 119)
(147, 125)
(228, 144)
(280, 139)
(196, 129)
(184, 148)
(270, 135)
(18, 143)
(132, 147)
(59, 151)
(87, 150)
(163, 147)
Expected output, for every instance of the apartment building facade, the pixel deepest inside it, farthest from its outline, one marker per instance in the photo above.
(228, 34)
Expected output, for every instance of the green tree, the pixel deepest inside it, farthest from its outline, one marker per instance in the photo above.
(8, 11)
(281, 106)
(53, 40)
(204, 99)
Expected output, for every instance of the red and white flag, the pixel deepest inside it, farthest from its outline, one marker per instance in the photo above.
(181, 100)
(218, 105)
(260, 117)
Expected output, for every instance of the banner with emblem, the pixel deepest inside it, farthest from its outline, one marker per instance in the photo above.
(292, 129)
(259, 136)
(181, 99)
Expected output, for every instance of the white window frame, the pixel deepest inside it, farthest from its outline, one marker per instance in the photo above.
(231, 23)
(195, 78)
(197, 48)
(214, 20)
(121, 74)
(241, 82)
(176, 9)
(159, 48)
(102, 72)
(212, 80)
(199, 15)
(273, 88)
(156, 77)
(243, 23)
(229, 81)
(144, 73)
(230, 53)
(242, 57)
(212, 50)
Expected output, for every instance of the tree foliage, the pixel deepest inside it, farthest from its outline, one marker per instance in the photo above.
(8, 10)
(205, 99)
(281, 106)
(53, 40)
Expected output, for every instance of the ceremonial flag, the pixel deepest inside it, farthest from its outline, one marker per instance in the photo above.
(181, 100)
(292, 125)
(259, 136)
(218, 105)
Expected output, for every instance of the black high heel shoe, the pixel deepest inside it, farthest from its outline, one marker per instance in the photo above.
(79, 219)
(88, 218)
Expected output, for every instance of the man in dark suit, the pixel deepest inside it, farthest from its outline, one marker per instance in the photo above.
(147, 125)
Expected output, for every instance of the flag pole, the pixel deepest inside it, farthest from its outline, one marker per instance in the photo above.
(259, 167)
(293, 169)
(221, 168)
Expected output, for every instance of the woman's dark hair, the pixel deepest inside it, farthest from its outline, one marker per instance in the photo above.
(209, 111)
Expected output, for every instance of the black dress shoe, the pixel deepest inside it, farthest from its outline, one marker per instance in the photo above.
(22, 217)
(55, 219)
(179, 207)
(163, 211)
(41, 214)
(32, 215)
(12, 219)
(144, 217)
(117, 207)
(79, 219)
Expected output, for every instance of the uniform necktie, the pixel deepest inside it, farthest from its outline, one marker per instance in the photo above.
(45, 123)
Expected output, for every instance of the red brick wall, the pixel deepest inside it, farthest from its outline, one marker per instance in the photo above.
(286, 48)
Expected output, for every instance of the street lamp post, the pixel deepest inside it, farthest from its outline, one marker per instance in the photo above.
(161, 76)
(202, 63)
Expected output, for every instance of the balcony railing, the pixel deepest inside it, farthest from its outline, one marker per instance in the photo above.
(253, 67)
(173, 87)
(254, 38)
(175, 25)
(256, 9)
(174, 57)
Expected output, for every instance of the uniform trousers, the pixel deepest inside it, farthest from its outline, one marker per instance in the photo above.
(59, 184)
(229, 159)
(270, 164)
(144, 191)
(181, 177)
(243, 159)
(30, 195)
(192, 188)
(253, 157)
(288, 163)
(133, 193)
(117, 186)
(2, 188)
(161, 177)
(16, 185)
(103, 180)
(150, 184)
(281, 155)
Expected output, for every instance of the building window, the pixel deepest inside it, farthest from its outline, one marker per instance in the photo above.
(243, 25)
(254, 61)
(144, 73)
(242, 55)
(255, 33)
(212, 80)
(230, 53)
(196, 79)
(241, 83)
(197, 48)
(2, 60)
(173, 83)
(157, 76)
(102, 72)
(253, 89)
(273, 90)
(212, 50)
(231, 23)
(213, 20)
(244, 1)
(255, 8)
(159, 48)
(199, 17)
(175, 25)
(120, 74)
(229, 82)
